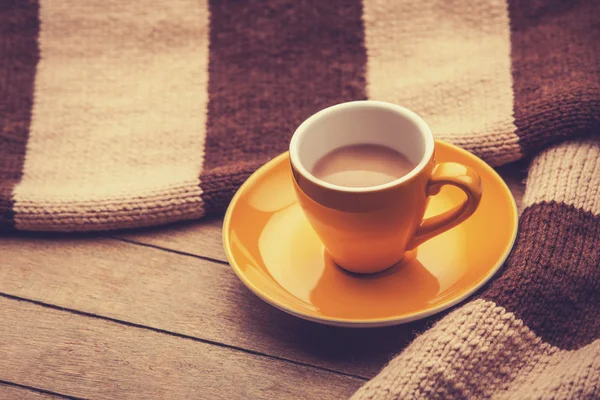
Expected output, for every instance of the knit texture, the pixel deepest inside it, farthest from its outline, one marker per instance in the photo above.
(533, 332)
(118, 114)
(126, 114)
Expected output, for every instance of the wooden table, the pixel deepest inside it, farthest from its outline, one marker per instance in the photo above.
(158, 313)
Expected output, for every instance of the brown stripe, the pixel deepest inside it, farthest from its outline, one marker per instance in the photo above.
(271, 66)
(556, 69)
(552, 278)
(19, 55)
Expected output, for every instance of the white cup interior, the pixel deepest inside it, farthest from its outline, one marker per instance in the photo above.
(361, 122)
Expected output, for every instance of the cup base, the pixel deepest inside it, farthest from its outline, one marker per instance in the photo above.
(271, 246)
(380, 272)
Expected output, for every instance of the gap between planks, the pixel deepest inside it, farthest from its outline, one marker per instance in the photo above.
(179, 335)
(11, 390)
(206, 235)
(186, 296)
(67, 353)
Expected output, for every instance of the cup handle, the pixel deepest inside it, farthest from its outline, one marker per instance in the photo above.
(461, 176)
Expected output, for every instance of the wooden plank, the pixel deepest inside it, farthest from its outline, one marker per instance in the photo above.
(93, 358)
(186, 295)
(203, 238)
(16, 392)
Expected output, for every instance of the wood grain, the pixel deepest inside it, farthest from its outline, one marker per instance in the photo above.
(203, 238)
(186, 295)
(93, 358)
(200, 238)
(15, 392)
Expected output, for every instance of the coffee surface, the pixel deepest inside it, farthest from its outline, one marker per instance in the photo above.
(362, 165)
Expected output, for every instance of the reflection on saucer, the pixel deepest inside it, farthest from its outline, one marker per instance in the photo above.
(295, 260)
(299, 264)
(270, 195)
(451, 245)
(401, 288)
(276, 253)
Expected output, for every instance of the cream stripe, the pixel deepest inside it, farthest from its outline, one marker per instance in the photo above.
(568, 173)
(449, 61)
(117, 136)
(482, 350)
(565, 375)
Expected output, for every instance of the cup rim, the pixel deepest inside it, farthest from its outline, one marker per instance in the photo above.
(362, 104)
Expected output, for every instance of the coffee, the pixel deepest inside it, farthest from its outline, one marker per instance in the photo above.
(362, 165)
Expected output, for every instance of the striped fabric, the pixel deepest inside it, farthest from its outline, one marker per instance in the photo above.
(532, 333)
(117, 114)
(124, 114)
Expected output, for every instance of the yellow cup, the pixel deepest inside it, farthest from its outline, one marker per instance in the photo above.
(368, 229)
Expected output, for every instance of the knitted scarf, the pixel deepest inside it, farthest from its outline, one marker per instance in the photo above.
(117, 114)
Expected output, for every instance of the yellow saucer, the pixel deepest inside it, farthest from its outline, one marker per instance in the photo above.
(275, 252)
